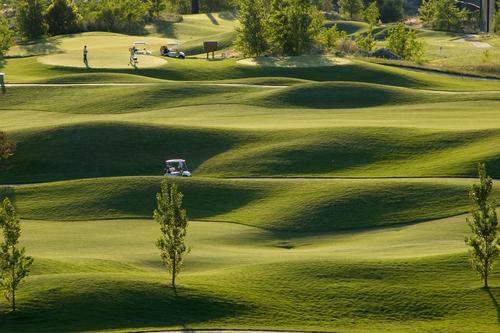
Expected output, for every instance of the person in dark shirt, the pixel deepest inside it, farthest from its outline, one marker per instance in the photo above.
(85, 52)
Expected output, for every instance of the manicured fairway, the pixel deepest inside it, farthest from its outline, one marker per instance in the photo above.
(329, 198)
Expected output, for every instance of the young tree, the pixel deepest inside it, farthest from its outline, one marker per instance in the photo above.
(484, 226)
(62, 17)
(329, 38)
(403, 42)
(372, 14)
(15, 265)
(442, 15)
(293, 25)
(252, 36)
(173, 222)
(305, 24)
(6, 147)
(30, 18)
(351, 7)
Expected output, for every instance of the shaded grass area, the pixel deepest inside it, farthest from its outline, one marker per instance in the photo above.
(350, 296)
(30, 70)
(280, 205)
(105, 149)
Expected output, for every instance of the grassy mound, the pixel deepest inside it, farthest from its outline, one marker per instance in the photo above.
(298, 205)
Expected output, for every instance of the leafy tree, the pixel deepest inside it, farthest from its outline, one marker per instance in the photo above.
(403, 42)
(30, 18)
(496, 22)
(305, 24)
(5, 37)
(442, 15)
(391, 10)
(252, 36)
(127, 16)
(366, 42)
(173, 225)
(6, 147)
(353, 8)
(15, 265)
(372, 14)
(329, 38)
(293, 25)
(484, 226)
(156, 7)
(62, 17)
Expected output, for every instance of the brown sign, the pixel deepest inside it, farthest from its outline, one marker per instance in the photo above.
(210, 46)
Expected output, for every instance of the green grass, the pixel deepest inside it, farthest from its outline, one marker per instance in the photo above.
(249, 281)
(335, 204)
(281, 205)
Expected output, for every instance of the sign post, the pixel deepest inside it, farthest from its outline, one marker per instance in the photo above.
(210, 47)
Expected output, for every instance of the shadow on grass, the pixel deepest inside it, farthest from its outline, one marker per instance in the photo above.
(41, 46)
(103, 305)
(212, 18)
(165, 28)
(495, 302)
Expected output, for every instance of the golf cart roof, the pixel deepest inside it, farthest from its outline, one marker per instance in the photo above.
(175, 161)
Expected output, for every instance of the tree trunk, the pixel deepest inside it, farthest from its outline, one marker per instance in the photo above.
(13, 291)
(173, 272)
(486, 275)
(195, 6)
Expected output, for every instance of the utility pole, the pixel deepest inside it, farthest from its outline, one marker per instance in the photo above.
(487, 15)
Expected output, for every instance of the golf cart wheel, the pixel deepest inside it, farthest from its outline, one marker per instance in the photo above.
(182, 57)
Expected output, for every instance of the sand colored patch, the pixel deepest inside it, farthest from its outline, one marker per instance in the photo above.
(295, 62)
(100, 60)
(105, 50)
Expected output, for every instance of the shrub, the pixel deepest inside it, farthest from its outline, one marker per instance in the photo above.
(5, 37)
(63, 17)
(403, 42)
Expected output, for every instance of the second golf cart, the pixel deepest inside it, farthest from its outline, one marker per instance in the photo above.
(171, 50)
(176, 168)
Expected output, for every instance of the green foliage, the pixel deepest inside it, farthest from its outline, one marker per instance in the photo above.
(372, 14)
(391, 10)
(328, 38)
(30, 18)
(366, 42)
(156, 7)
(5, 36)
(62, 17)
(127, 16)
(6, 147)
(484, 226)
(173, 222)
(403, 42)
(290, 28)
(252, 35)
(496, 22)
(442, 15)
(15, 265)
(351, 8)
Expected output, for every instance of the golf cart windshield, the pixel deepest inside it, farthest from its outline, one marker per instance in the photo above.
(177, 165)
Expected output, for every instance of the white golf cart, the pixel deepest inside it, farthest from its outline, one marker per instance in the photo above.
(176, 168)
(136, 50)
(171, 50)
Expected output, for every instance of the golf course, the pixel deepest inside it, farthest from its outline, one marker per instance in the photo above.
(328, 193)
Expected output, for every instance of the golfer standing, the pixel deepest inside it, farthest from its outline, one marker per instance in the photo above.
(85, 52)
